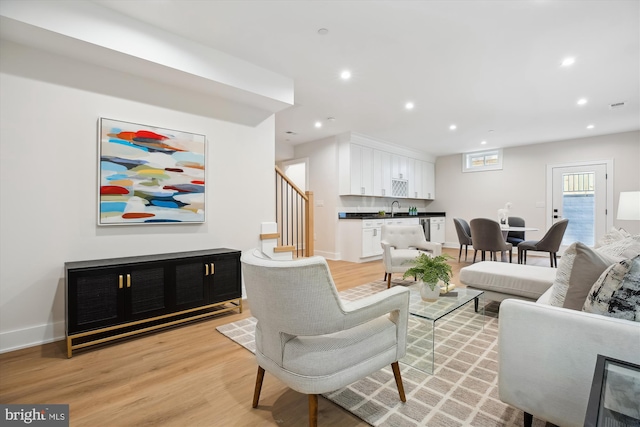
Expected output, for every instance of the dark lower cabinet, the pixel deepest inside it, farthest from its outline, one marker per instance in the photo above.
(113, 298)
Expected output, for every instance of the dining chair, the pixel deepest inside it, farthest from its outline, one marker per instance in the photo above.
(464, 236)
(515, 237)
(313, 341)
(550, 242)
(487, 236)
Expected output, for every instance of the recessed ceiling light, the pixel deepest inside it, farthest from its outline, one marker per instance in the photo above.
(483, 142)
(345, 75)
(323, 31)
(590, 127)
(318, 124)
(569, 61)
(453, 127)
(409, 105)
(582, 101)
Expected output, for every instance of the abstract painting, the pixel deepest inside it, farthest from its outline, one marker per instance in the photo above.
(150, 175)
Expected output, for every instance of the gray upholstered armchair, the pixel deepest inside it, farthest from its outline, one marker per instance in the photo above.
(464, 236)
(401, 244)
(487, 236)
(550, 242)
(309, 338)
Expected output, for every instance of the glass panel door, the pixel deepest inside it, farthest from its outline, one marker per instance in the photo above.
(580, 195)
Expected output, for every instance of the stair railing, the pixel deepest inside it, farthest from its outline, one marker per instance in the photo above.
(294, 215)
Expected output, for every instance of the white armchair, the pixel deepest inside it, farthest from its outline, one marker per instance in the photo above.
(310, 339)
(401, 244)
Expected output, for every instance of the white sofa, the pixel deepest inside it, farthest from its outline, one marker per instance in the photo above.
(547, 356)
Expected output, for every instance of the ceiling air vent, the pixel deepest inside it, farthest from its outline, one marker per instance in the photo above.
(616, 105)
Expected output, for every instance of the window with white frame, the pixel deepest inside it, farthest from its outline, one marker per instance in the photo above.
(486, 160)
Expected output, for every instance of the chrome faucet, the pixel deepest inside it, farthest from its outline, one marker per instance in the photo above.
(394, 202)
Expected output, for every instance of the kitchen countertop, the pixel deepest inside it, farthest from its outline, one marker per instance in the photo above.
(374, 215)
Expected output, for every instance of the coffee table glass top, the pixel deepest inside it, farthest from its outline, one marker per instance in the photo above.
(445, 304)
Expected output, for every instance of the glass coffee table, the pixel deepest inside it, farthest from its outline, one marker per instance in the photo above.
(421, 339)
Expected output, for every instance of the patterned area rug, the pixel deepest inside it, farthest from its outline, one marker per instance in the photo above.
(463, 390)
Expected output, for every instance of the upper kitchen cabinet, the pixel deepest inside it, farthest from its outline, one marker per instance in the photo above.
(361, 174)
(381, 173)
(421, 177)
(371, 168)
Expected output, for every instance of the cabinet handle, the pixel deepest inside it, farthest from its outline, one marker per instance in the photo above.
(361, 190)
(206, 269)
(212, 268)
(128, 280)
(383, 191)
(120, 281)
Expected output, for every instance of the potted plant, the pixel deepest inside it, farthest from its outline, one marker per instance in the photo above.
(429, 271)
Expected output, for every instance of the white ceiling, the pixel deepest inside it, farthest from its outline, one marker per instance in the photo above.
(482, 65)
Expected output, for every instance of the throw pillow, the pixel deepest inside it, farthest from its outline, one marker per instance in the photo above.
(588, 265)
(627, 246)
(616, 293)
(612, 236)
(561, 282)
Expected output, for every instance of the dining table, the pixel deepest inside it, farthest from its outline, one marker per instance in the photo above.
(506, 229)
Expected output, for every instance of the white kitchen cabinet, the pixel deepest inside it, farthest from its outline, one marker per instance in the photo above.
(402, 221)
(371, 232)
(398, 166)
(369, 168)
(381, 173)
(428, 181)
(361, 178)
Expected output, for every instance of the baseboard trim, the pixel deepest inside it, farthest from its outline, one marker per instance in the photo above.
(30, 337)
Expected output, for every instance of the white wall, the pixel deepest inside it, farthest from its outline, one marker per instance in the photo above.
(522, 181)
(49, 109)
(323, 181)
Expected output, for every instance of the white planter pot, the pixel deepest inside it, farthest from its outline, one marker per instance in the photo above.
(427, 294)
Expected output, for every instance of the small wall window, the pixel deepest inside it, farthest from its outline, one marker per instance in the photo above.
(482, 161)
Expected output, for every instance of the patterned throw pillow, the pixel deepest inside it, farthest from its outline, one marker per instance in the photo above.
(616, 293)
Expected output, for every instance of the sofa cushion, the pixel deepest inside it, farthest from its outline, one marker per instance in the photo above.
(616, 293)
(527, 281)
(588, 265)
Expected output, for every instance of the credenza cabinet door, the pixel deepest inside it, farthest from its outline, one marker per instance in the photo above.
(95, 298)
(224, 284)
(146, 292)
(190, 284)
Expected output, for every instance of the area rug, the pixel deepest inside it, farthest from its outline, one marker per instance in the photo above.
(462, 391)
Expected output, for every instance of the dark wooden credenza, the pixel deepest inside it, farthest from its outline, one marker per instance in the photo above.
(114, 298)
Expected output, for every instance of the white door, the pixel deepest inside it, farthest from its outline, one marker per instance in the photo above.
(582, 194)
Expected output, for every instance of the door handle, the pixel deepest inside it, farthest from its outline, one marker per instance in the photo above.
(128, 280)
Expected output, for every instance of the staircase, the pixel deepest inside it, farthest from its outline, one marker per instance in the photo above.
(294, 218)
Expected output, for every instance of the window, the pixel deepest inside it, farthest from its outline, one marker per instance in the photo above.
(482, 161)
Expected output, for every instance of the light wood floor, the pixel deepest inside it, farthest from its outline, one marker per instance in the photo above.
(185, 376)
